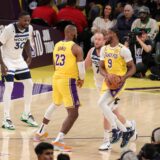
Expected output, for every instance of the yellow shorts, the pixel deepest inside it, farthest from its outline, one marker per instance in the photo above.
(65, 92)
(115, 92)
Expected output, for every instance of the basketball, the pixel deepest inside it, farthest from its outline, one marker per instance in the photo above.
(113, 81)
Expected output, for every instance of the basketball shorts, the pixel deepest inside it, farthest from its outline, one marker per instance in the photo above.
(17, 69)
(114, 92)
(65, 92)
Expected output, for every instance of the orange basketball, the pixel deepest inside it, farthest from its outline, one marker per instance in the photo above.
(113, 81)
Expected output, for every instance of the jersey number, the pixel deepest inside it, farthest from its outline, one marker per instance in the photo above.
(60, 59)
(109, 63)
(19, 45)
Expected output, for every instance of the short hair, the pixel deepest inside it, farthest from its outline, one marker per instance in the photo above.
(156, 135)
(43, 146)
(128, 155)
(23, 13)
(115, 30)
(62, 156)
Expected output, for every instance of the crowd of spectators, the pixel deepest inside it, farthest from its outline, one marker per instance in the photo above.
(137, 21)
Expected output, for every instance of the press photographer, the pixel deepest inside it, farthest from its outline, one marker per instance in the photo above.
(141, 48)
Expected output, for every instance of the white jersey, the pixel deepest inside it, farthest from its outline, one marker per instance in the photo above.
(98, 78)
(13, 41)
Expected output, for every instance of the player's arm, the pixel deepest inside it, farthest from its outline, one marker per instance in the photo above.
(27, 49)
(131, 68)
(102, 68)
(77, 51)
(88, 61)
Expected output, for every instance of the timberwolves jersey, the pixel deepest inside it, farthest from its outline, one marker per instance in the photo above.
(64, 60)
(98, 78)
(13, 41)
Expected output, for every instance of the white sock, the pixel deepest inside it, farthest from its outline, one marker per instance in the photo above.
(103, 102)
(106, 135)
(49, 111)
(60, 137)
(7, 99)
(128, 123)
(42, 128)
(28, 87)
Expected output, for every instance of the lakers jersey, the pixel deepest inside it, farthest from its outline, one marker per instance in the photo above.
(115, 59)
(64, 60)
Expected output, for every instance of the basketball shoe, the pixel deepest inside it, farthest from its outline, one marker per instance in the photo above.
(7, 124)
(106, 145)
(128, 135)
(116, 135)
(40, 137)
(61, 146)
(29, 119)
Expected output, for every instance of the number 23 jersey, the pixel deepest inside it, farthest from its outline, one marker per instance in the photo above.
(64, 61)
(13, 41)
(115, 59)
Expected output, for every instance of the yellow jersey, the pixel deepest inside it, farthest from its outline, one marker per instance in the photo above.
(64, 60)
(114, 62)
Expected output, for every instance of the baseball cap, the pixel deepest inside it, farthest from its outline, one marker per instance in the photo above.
(144, 9)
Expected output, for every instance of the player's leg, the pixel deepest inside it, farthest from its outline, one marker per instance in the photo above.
(9, 80)
(71, 102)
(41, 133)
(24, 76)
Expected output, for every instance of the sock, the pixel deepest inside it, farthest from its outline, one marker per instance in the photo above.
(128, 124)
(106, 135)
(42, 128)
(28, 87)
(7, 99)
(103, 102)
(60, 137)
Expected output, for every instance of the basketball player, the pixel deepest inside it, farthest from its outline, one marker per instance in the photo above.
(69, 72)
(92, 60)
(115, 59)
(14, 39)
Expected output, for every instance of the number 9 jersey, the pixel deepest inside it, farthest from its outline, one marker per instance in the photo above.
(115, 59)
(64, 61)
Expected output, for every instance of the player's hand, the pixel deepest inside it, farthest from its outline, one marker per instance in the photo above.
(29, 60)
(80, 83)
(123, 79)
(4, 69)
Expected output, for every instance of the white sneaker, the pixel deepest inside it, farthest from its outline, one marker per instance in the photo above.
(133, 129)
(7, 124)
(29, 119)
(106, 145)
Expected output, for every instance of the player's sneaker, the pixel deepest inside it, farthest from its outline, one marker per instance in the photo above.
(128, 135)
(116, 135)
(106, 145)
(7, 124)
(29, 119)
(61, 146)
(134, 134)
(40, 137)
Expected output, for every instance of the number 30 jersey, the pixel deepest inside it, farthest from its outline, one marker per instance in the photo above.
(115, 59)
(64, 61)
(13, 41)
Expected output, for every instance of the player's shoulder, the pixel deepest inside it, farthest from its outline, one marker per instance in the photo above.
(10, 27)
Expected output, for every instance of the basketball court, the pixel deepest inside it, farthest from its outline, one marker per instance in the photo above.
(139, 102)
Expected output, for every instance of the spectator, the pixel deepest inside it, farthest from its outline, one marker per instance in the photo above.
(128, 155)
(124, 22)
(119, 9)
(146, 22)
(102, 24)
(63, 157)
(71, 13)
(141, 53)
(46, 12)
(155, 138)
(44, 151)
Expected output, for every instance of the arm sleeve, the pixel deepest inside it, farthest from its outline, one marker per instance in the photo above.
(4, 36)
(126, 54)
(102, 53)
